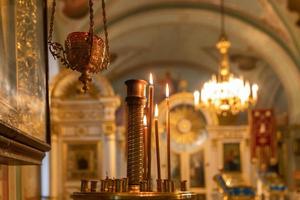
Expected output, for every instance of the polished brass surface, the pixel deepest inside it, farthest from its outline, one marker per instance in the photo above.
(136, 88)
(139, 195)
(136, 102)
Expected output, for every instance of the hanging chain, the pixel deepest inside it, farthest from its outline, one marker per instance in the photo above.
(56, 49)
(223, 34)
(107, 55)
(223, 45)
(52, 21)
(91, 31)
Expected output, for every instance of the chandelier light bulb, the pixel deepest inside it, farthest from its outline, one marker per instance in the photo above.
(151, 79)
(196, 98)
(254, 91)
(167, 90)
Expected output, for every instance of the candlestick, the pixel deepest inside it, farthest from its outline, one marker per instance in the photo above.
(136, 102)
(145, 146)
(157, 142)
(150, 114)
(168, 133)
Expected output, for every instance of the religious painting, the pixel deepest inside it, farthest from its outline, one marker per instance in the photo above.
(231, 157)
(197, 176)
(82, 161)
(175, 166)
(23, 62)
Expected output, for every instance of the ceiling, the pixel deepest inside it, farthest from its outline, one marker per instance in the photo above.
(180, 35)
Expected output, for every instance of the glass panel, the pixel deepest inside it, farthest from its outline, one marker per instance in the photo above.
(22, 67)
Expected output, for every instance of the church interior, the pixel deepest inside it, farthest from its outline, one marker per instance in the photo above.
(149, 99)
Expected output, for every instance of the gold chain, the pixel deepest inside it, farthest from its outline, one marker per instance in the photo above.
(52, 21)
(105, 33)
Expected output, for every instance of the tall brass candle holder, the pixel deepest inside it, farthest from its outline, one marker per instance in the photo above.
(130, 188)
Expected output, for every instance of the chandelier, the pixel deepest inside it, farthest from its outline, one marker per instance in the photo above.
(225, 93)
(84, 52)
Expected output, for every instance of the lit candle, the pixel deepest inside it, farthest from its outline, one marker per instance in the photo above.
(168, 133)
(145, 146)
(150, 114)
(196, 98)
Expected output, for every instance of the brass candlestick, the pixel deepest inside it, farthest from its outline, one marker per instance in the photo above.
(136, 102)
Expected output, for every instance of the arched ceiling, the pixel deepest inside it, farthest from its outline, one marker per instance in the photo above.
(181, 34)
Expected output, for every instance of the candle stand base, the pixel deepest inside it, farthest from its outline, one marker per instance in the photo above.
(133, 196)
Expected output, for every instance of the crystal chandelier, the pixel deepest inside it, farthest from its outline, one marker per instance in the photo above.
(225, 93)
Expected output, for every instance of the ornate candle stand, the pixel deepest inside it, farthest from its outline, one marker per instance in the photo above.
(133, 186)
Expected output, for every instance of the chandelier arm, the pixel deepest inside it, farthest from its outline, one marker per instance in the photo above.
(107, 55)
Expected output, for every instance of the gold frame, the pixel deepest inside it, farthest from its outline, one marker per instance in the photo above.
(24, 106)
(97, 157)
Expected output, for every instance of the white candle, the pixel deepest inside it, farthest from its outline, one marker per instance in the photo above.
(168, 133)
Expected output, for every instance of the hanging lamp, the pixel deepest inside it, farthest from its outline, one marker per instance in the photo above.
(84, 52)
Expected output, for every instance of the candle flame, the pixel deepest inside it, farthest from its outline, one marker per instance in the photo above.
(156, 111)
(145, 120)
(151, 79)
(167, 90)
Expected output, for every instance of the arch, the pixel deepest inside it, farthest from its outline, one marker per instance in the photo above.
(262, 38)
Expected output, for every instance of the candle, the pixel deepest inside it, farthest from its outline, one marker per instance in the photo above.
(157, 142)
(150, 114)
(196, 98)
(145, 146)
(168, 133)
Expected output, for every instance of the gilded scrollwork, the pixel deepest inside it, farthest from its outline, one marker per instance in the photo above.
(23, 108)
